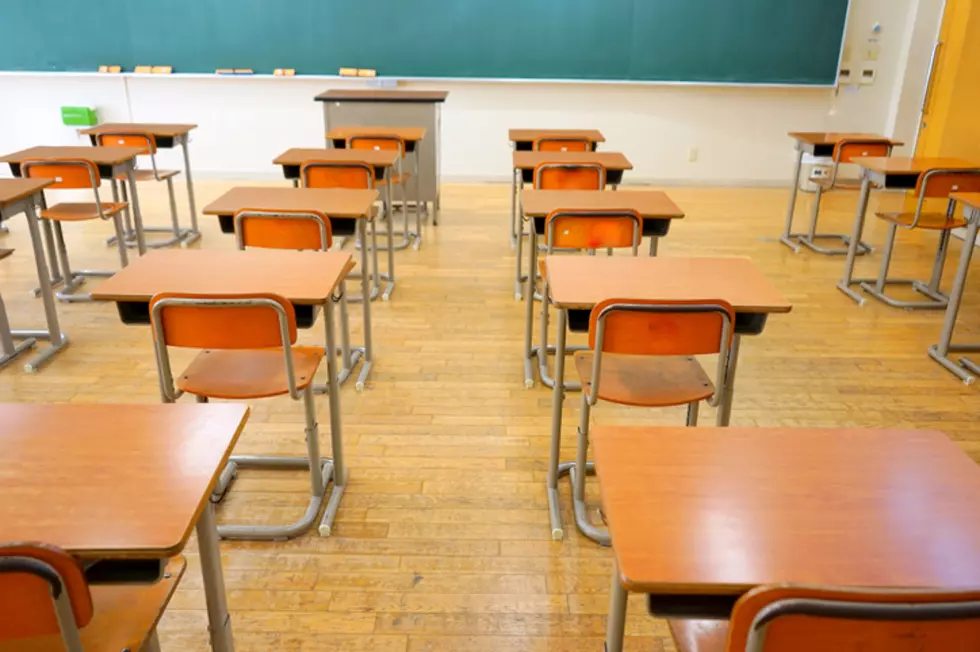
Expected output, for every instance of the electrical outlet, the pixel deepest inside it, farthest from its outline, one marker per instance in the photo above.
(692, 154)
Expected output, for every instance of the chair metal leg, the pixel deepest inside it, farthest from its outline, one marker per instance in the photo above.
(964, 368)
(578, 474)
(809, 240)
(692, 413)
(75, 278)
(10, 350)
(936, 299)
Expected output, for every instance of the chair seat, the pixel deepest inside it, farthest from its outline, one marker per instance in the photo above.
(396, 179)
(699, 635)
(248, 374)
(125, 616)
(646, 381)
(78, 212)
(838, 184)
(932, 221)
(147, 175)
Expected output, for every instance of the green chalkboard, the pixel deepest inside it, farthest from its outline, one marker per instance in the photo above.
(726, 41)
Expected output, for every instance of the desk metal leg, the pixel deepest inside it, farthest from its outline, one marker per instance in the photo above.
(219, 620)
(519, 233)
(788, 237)
(137, 215)
(366, 291)
(966, 370)
(418, 200)
(852, 246)
(53, 333)
(336, 439)
(724, 416)
(513, 209)
(195, 231)
(557, 398)
(390, 216)
(529, 314)
(616, 625)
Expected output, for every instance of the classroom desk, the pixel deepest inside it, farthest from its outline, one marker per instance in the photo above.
(699, 516)
(819, 144)
(396, 108)
(524, 163)
(412, 136)
(111, 161)
(522, 140)
(657, 211)
(340, 205)
(156, 467)
(166, 136)
(577, 283)
(894, 172)
(22, 196)
(966, 370)
(383, 162)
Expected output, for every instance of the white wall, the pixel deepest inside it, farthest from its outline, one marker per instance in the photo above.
(740, 133)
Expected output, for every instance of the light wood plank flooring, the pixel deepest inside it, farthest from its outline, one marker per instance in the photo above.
(443, 542)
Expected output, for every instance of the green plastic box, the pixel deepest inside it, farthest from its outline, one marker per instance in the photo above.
(79, 116)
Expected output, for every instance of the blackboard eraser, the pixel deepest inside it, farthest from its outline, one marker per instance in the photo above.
(284, 72)
(112, 69)
(367, 72)
(162, 70)
(225, 71)
(243, 71)
(348, 72)
(143, 70)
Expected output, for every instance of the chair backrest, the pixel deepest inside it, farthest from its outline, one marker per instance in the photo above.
(561, 144)
(848, 150)
(309, 230)
(942, 183)
(569, 176)
(134, 138)
(377, 142)
(587, 229)
(68, 173)
(43, 592)
(335, 174)
(812, 619)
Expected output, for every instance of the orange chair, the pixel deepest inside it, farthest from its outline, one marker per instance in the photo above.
(75, 173)
(558, 176)
(248, 352)
(791, 618)
(642, 354)
(400, 178)
(561, 144)
(573, 229)
(356, 175)
(846, 151)
(47, 604)
(146, 140)
(934, 183)
(301, 230)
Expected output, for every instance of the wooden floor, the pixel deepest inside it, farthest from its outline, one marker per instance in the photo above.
(443, 542)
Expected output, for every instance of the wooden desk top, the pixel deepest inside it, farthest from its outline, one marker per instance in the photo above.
(12, 190)
(649, 203)
(334, 202)
(98, 155)
(411, 134)
(380, 95)
(381, 158)
(528, 135)
(111, 480)
(912, 164)
(157, 129)
(969, 199)
(722, 510)
(834, 137)
(302, 277)
(580, 282)
(524, 160)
